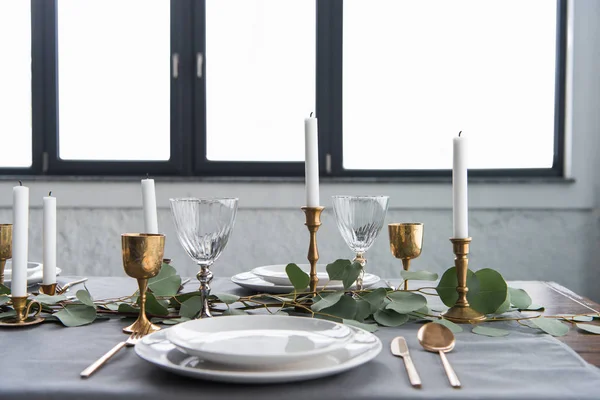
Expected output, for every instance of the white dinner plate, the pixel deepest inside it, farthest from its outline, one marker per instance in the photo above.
(34, 272)
(253, 282)
(156, 349)
(248, 340)
(276, 273)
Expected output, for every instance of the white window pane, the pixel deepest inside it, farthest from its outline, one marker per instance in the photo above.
(15, 83)
(418, 72)
(260, 78)
(114, 79)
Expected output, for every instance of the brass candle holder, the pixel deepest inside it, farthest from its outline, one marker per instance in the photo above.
(22, 311)
(142, 259)
(461, 312)
(313, 222)
(5, 247)
(50, 289)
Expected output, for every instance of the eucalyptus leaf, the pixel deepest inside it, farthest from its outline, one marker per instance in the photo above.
(583, 318)
(344, 308)
(50, 300)
(234, 311)
(299, 279)
(76, 315)
(389, 318)
(4, 290)
(128, 308)
(7, 314)
(404, 302)
(551, 326)
(595, 329)
(519, 298)
(487, 331)
(504, 307)
(111, 306)
(326, 300)
(176, 301)
(363, 310)
(174, 321)
(492, 291)
(345, 271)
(227, 298)
(367, 327)
(446, 288)
(375, 298)
(191, 307)
(154, 307)
(419, 275)
(85, 297)
(455, 328)
(4, 299)
(166, 283)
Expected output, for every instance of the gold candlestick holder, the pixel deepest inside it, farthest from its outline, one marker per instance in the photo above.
(313, 222)
(5, 247)
(461, 312)
(22, 311)
(49, 289)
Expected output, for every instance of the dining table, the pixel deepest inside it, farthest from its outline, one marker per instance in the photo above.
(44, 361)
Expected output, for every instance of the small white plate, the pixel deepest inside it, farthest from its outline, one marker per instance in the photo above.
(156, 349)
(267, 340)
(34, 272)
(276, 273)
(253, 282)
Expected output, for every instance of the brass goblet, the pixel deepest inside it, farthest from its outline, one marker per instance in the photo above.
(5, 247)
(142, 258)
(406, 242)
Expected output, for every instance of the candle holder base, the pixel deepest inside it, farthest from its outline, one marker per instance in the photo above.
(463, 315)
(313, 222)
(14, 322)
(49, 289)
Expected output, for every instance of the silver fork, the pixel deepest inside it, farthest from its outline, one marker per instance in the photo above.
(131, 341)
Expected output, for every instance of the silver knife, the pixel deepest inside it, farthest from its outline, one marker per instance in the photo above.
(400, 349)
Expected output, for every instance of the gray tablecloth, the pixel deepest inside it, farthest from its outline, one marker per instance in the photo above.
(44, 362)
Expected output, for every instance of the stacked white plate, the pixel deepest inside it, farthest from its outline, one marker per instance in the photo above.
(273, 279)
(34, 273)
(259, 348)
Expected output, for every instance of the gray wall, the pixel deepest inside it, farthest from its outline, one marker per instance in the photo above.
(526, 230)
(533, 244)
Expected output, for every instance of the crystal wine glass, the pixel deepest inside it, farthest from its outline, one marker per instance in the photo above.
(203, 228)
(359, 219)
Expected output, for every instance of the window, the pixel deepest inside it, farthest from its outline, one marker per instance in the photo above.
(221, 87)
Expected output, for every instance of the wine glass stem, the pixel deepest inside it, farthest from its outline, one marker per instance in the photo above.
(143, 285)
(205, 277)
(360, 258)
(406, 266)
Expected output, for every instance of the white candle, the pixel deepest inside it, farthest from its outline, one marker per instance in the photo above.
(49, 240)
(20, 248)
(149, 203)
(460, 204)
(311, 164)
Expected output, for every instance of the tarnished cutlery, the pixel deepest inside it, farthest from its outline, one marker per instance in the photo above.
(400, 349)
(131, 341)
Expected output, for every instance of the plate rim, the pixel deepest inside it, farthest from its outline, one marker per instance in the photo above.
(282, 288)
(276, 358)
(261, 377)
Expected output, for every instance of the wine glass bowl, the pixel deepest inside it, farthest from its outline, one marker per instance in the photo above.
(406, 242)
(359, 220)
(142, 258)
(203, 227)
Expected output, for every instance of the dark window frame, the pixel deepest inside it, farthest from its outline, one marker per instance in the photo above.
(188, 106)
